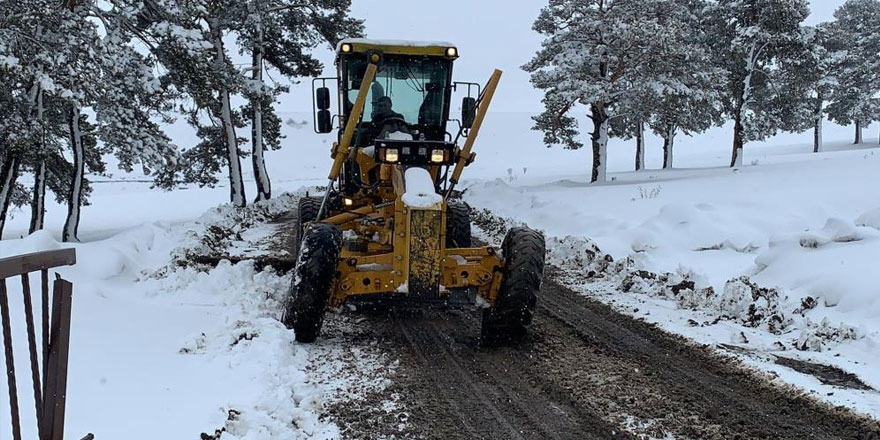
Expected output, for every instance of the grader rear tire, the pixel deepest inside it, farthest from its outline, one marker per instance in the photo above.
(524, 251)
(458, 225)
(313, 280)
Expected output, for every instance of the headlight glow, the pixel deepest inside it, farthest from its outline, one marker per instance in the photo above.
(451, 52)
(347, 201)
(391, 155)
(346, 48)
(437, 156)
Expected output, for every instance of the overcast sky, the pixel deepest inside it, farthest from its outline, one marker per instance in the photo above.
(489, 34)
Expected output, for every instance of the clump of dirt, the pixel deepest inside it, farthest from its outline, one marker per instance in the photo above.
(754, 306)
(741, 300)
(231, 417)
(490, 226)
(816, 337)
(235, 234)
(826, 374)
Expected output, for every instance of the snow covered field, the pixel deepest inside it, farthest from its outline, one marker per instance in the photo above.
(171, 351)
(806, 224)
(186, 347)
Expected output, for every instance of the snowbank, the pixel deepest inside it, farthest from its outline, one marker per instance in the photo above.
(774, 259)
(198, 350)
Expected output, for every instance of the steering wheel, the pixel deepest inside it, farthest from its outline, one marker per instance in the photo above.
(395, 119)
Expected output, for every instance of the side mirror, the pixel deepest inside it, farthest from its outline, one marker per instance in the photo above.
(468, 111)
(322, 98)
(325, 124)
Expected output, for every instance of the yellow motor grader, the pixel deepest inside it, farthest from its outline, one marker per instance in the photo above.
(388, 227)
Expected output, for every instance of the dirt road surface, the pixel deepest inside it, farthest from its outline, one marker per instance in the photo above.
(584, 372)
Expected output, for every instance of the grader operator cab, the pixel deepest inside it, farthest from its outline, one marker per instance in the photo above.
(387, 227)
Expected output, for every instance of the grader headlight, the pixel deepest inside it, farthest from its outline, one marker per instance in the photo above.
(437, 156)
(391, 155)
(451, 52)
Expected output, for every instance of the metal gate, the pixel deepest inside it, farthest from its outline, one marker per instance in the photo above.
(50, 388)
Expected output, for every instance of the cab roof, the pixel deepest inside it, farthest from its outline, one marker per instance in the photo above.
(401, 47)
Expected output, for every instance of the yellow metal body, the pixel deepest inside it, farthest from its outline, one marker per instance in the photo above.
(406, 246)
(363, 46)
(466, 156)
(341, 150)
(395, 250)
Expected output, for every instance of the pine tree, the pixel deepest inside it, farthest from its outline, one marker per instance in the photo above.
(18, 95)
(684, 96)
(64, 65)
(606, 55)
(281, 34)
(749, 39)
(855, 40)
(807, 79)
(187, 39)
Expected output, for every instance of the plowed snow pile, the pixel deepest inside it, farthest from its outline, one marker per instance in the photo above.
(773, 260)
(160, 350)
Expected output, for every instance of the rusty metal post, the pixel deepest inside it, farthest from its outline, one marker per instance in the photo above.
(44, 275)
(32, 344)
(52, 426)
(10, 362)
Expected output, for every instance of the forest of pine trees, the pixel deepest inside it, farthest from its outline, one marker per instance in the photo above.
(79, 82)
(683, 66)
(84, 79)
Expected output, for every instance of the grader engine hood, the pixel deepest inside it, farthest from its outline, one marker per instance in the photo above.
(424, 208)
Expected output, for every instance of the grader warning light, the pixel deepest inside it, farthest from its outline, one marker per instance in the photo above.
(388, 227)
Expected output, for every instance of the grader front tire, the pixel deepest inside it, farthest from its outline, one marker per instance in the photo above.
(306, 211)
(524, 251)
(313, 280)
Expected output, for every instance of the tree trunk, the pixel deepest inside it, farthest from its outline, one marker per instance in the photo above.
(599, 139)
(8, 176)
(736, 158)
(640, 146)
(74, 203)
(738, 137)
(38, 204)
(236, 182)
(817, 129)
(858, 133)
(264, 186)
(668, 144)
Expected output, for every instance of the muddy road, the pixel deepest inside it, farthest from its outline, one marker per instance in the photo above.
(584, 372)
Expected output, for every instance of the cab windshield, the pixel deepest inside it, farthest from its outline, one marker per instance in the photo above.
(416, 88)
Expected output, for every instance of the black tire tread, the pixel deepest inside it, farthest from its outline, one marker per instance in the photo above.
(524, 253)
(306, 211)
(458, 225)
(314, 276)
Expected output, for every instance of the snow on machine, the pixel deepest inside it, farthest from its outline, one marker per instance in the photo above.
(387, 228)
